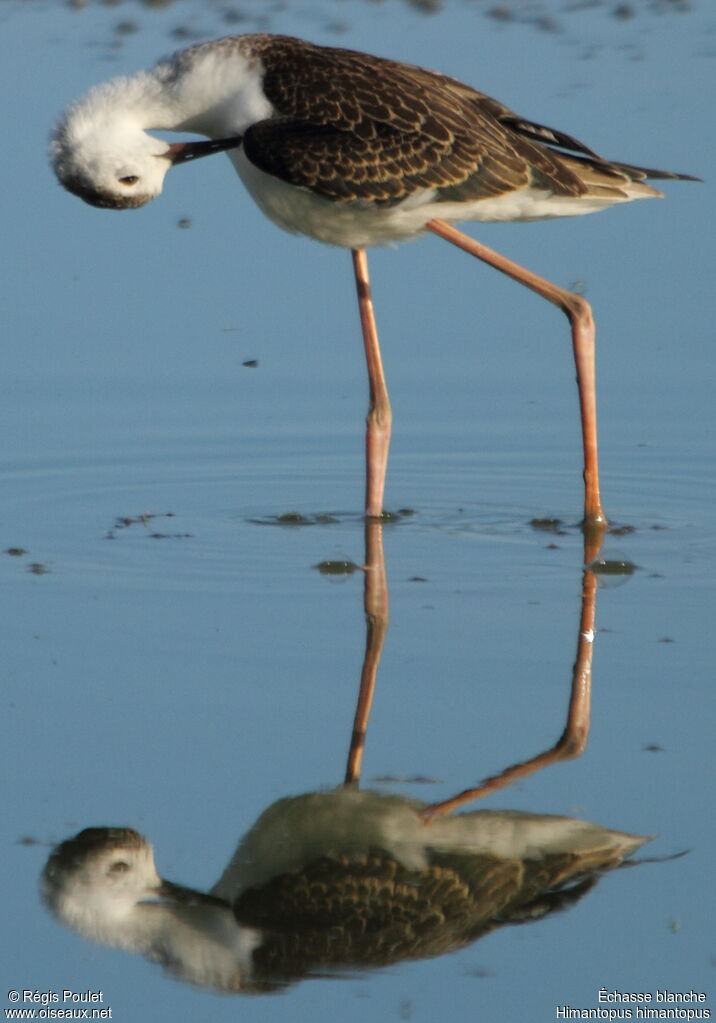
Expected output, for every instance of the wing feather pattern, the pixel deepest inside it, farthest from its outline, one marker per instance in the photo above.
(356, 128)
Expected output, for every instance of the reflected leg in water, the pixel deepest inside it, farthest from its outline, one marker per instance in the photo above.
(573, 739)
(579, 314)
(570, 744)
(375, 602)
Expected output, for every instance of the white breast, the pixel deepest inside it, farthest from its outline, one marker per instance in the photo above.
(352, 225)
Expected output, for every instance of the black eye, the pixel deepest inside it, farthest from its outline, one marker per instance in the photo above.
(118, 867)
(129, 179)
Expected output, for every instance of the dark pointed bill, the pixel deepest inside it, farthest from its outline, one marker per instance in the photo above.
(181, 152)
(188, 896)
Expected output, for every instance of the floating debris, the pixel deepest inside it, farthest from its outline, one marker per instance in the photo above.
(294, 518)
(548, 525)
(337, 567)
(37, 568)
(143, 519)
(613, 565)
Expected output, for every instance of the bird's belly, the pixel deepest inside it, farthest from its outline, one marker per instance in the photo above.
(348, 224)
(355, 225)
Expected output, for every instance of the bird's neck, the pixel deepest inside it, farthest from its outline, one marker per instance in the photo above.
(202, 944)
(121, 105)
(208, 94)
(212, 95)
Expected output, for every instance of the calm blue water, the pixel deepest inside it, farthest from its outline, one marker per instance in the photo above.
(175, 662)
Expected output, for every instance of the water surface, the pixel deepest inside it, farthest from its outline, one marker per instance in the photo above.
(174, 660)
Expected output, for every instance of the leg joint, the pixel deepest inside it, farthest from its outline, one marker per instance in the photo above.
(578, 309)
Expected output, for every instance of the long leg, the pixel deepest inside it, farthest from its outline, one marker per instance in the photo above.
(573, 739)
(579, 314)
(380, 417)
(375, 602)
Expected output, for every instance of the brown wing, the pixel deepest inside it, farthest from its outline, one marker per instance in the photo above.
(355, 127)
(372, 912)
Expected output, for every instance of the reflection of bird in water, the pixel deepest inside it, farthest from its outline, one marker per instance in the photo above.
(352, 150)
(345, 879)
(330, 881)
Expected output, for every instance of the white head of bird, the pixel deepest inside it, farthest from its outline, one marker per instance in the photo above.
(99, 879)
(102, 153)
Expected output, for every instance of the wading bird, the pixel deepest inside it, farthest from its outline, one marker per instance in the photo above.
(352, 150)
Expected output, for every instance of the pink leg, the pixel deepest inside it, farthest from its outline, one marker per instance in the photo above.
(379, 418)
(375, 601)
(573, 740)
(579, 314)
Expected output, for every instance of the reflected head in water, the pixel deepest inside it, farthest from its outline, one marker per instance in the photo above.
(330, 881)
(104, 885)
